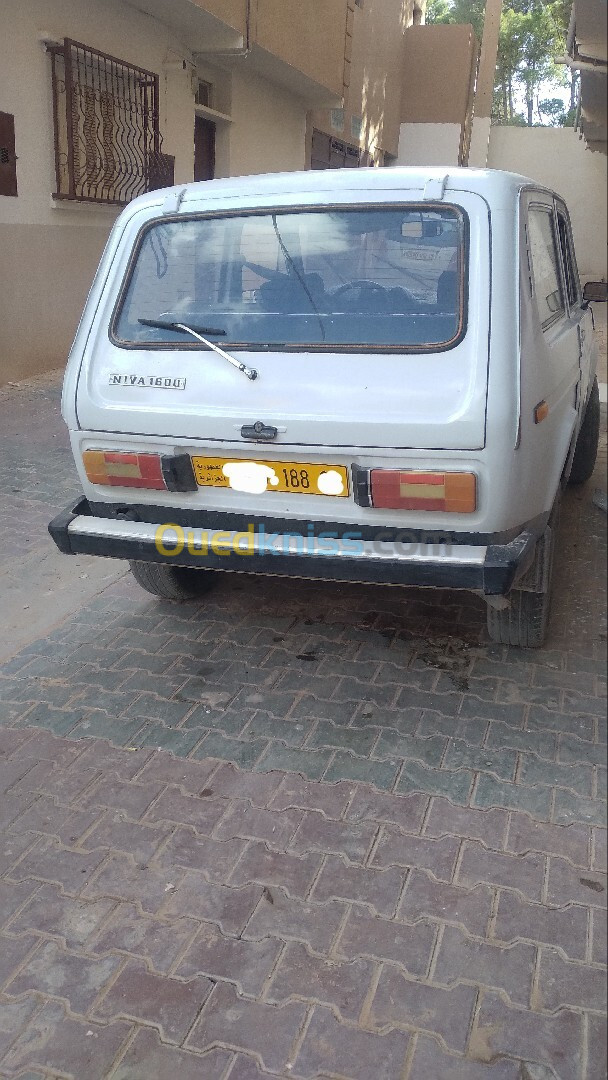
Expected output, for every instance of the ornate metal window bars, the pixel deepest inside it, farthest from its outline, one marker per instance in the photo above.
(107, 138)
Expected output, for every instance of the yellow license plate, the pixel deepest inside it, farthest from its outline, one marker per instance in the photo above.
(297, 477)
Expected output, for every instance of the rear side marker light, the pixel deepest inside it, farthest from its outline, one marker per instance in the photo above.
(114, 469)
(452, 493)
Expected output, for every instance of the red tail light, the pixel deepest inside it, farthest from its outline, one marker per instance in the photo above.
(454, 493)
(116, 469)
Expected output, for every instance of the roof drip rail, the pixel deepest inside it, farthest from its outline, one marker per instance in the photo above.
(434, 190)
(173, 201)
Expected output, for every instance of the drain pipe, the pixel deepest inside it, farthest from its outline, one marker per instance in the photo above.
(246, 48)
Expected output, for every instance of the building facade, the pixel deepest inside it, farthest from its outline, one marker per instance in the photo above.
(104, 100)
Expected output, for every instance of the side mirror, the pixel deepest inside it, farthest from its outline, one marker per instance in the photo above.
(595, 292)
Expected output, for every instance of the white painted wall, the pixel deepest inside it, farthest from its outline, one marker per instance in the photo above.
(428, 144)
(557, 158)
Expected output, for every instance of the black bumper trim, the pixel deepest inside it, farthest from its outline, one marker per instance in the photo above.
(495, 576)
(195, 518)
(58, 527)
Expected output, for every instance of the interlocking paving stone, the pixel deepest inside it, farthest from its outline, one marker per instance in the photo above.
(406, 811)
(297, 793)
(341, 1049)
(489, 826)
(446, 903)
(563, 983)
(345, 766)
(318, 833)
(51, 912)
(230, 908)
(568, 884)
(431, 1061)
(570, 807)
(277, 915)
(158, 942)
(379, 888)
(463, 958)
(400, 1001)
(52, 1040)
(547, 1040)
(173, 1004)
(54, 971)
(563, 927)
(383, 939)
(524, 873)
(416, 806)
(572, 841)
(438, 856)
(535, 801)
(295, 873)
(341, 984)
(453, 784)
(248, 1025)
(245, 963)
(147, 1058)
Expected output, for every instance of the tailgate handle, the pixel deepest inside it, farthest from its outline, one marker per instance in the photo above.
(259, 432)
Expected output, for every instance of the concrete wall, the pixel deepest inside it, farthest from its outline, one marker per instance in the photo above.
(557, 158)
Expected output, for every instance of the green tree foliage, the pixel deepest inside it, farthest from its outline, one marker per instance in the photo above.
(532, 34)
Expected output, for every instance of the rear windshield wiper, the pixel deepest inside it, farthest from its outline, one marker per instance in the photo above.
(160, 324)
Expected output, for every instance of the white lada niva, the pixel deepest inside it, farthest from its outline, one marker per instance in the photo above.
(375, 375)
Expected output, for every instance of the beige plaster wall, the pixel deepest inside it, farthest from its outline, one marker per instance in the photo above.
(557, 158)
(308, 36)
(232, 12)
(51, 270)
(268, 129)
(436, 82)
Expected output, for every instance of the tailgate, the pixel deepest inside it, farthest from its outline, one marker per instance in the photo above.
(368, 327)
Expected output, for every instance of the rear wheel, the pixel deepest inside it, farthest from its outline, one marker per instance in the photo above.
(583, 462)
(525, 621)
(172, 582)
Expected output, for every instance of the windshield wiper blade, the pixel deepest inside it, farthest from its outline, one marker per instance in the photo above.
(170, 324)
(251, 373)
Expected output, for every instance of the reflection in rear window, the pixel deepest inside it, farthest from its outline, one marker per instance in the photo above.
(387, 277)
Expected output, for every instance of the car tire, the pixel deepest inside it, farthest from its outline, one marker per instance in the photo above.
(525, 622)
(172, 582)
(585, 453)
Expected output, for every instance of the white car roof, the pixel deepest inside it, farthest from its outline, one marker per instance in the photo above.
(498, 188)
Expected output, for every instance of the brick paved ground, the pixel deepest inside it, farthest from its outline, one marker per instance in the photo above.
(371, 845)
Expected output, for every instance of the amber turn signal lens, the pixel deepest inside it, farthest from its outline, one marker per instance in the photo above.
(541, 412)
(453, 493)
(117, 469)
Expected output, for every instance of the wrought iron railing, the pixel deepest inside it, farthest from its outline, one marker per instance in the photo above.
(106, 121)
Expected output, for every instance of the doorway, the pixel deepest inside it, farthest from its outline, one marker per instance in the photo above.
(204, 148)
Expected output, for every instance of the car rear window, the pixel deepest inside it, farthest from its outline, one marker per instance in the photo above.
(356, 278)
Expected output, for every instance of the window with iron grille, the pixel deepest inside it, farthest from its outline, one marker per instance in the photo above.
(107, 138)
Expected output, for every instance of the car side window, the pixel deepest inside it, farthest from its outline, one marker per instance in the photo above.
(573, 288)
(545, 266)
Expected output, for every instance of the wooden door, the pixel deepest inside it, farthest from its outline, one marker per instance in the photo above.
(204, 148)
